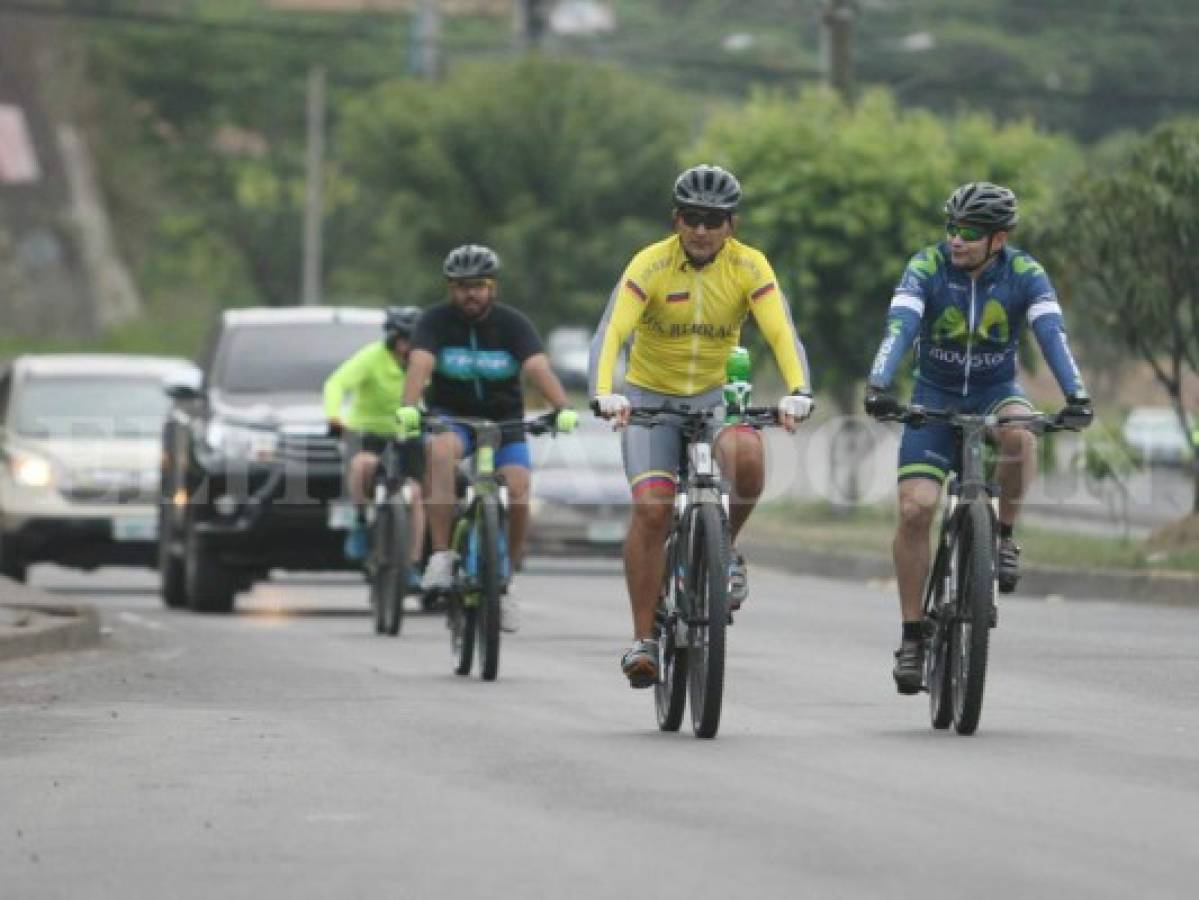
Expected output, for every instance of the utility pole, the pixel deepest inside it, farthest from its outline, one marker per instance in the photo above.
(426, 40)
(532, 23)
(313, 201)
(838, 18)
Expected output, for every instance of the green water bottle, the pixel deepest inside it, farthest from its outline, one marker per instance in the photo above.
(736, 383)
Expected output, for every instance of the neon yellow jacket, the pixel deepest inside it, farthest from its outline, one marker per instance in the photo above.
(376, 381)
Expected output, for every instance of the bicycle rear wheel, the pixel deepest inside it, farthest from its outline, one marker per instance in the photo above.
(490, 588)
(938, 616)
(670, 693)
(708, 553)
(971, 629)
(462, 610)
(389, 579)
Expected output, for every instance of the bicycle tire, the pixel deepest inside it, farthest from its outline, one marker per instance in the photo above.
(708, 555)
(394, 565)
(670, 693)
(462, 615)
(380, 537)
(490, 588)
(936, 654)
(972, 624)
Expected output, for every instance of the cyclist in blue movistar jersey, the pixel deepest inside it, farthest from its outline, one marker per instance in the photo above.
(964, 303)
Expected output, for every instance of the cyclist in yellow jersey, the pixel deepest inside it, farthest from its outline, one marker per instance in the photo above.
(682, 300)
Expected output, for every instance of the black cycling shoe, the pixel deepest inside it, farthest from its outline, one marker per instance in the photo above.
(909, 666)
(1009, 565)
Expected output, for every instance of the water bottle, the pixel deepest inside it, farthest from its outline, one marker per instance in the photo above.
(737, 386)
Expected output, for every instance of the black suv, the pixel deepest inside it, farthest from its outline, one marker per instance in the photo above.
(250, 479)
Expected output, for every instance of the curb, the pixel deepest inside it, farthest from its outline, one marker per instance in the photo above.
(1165, 588)
(32, 622)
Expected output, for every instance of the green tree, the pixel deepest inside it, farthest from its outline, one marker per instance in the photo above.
(839, 197)
(564, 169)
(1131, 240)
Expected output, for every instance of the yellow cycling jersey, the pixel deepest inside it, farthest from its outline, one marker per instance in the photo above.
(684, 319)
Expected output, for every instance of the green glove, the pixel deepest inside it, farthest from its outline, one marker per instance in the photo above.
(566, 421)
(409, 419)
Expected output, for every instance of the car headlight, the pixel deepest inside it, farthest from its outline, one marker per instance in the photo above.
(31, 470)
(228, 439)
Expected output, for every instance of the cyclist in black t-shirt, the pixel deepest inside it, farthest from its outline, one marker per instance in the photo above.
(472, 352)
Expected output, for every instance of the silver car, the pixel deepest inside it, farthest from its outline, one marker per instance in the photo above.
(80, 443)
(580, 497)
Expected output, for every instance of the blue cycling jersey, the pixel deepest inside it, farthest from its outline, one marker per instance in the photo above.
(967, 330)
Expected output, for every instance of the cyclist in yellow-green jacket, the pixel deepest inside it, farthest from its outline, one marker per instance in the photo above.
(374, 380)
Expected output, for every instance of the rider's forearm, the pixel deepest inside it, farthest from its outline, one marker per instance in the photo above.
(420, 367)
(620, 318)
(773, 316)
(537, 368)
(1045, 317)
(903, 323)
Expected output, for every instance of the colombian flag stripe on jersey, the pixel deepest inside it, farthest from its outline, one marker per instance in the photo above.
(762, 291)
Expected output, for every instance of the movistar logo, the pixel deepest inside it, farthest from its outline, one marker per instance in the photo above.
(927, 262)
(951, 327)
(1023, 264)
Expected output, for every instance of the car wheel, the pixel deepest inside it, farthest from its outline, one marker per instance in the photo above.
(11, 564)
(209, 584)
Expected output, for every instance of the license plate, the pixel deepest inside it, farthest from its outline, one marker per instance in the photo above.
(341, 516)
(136, 528)
(606, 532)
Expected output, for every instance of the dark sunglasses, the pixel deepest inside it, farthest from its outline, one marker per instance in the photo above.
(710, 219)
(966, 232)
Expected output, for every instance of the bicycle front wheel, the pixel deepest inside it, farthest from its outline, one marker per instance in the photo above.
(971, 630)
(490, 587)
(708, 555)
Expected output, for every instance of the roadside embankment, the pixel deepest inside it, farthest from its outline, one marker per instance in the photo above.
(34, 622)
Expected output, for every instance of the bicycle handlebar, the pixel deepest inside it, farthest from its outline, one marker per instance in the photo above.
(753, 416)
(539, 425)
(1039, 422)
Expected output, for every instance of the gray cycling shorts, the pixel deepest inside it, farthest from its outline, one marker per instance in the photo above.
(651, 455)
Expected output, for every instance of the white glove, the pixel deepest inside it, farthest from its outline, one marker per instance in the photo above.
(794, 408)
(612, 405)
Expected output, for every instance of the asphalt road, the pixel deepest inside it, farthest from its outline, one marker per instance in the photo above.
(286, 751)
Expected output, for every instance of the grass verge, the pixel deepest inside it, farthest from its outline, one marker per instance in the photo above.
(868, 530)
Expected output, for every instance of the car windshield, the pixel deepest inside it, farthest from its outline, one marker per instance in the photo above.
(291, 356)
(78, 407)
(585, 450)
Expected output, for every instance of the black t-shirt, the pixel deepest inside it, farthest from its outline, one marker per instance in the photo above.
(477, 364)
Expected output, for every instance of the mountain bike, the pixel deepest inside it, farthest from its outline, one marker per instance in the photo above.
(693, 612)
(959, 594)
(389, 559)
(479, 539)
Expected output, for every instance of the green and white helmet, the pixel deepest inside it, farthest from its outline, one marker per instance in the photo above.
(982, 203)
(707, 187)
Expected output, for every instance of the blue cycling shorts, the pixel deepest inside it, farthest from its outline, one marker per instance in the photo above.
(511, 453)
(930, 451)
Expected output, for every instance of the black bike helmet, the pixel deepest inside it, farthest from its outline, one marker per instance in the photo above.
(471, 261)
(982, 203)
(400, 321)
(707, 187)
